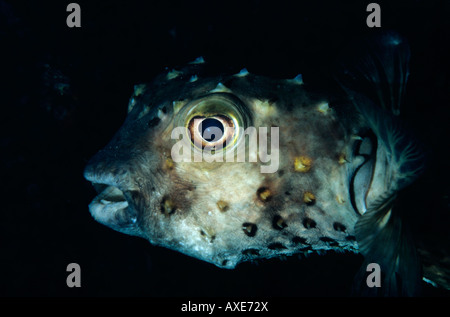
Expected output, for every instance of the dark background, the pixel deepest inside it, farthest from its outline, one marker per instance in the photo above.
(64, 93)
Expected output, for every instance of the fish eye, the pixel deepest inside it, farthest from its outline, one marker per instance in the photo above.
(211, 132)
(215, 121)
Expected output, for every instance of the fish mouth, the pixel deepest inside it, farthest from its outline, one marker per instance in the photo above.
(111, 200)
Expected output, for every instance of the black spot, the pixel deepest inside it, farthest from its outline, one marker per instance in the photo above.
(308, 223)
(287, 193)
(153, 122)
(249, 229)
(299, 240)
(250, 252)
(311, 201)
(167, 206)
(164, 110)
(224, 262)
(211, 238)
(330, 241)
(264, 194)
(276, 246)
(339, 227)
(278, 222)
(350, 238)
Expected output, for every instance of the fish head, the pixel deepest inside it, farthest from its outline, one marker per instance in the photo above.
(233, 168)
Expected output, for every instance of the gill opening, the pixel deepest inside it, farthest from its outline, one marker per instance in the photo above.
(362, 176)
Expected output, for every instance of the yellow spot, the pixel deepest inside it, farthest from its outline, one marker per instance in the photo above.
(167, 207)
(169, 164)
(264, 194)
(340, 199)
(208, 234)
(309, 197)
(280, 223)
(222, 205)
(342, 159)
(264, 108)
(323, 108)
(302, 164)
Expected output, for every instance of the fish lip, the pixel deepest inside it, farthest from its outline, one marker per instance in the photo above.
(110, 194)
(105, 203)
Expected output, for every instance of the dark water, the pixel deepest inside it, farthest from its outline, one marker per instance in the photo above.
(65, 92)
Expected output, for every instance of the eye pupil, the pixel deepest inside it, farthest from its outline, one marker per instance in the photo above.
(211, 129)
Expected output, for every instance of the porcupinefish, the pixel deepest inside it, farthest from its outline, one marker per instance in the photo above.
(319, 172)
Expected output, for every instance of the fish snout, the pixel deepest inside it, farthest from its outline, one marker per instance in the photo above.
(114, 206)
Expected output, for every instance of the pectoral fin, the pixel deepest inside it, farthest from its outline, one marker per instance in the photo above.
(384, 239)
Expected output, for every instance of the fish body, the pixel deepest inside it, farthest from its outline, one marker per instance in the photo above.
(286, 170)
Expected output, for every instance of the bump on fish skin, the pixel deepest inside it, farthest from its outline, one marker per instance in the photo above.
(177, 105)
(278, 222)
(329, 241)
(223, 205)
(250, 229)
(169, 164)
(309, 223)
(153, 122)
(264, 194)
(208, 234)
(324, 108)
(340, 199)
(342, 159)
(138, 91)
(302, 164)
(198, 60)
(220, 88)
(250, 252)
(276, 246)
(173, 74)
(309, 198)
(299, 240)
(297, 80)
(167, 206)
(242, 73)
(339, 227)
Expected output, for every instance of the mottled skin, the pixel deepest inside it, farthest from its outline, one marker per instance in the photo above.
(342, 161)
(229, 212)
